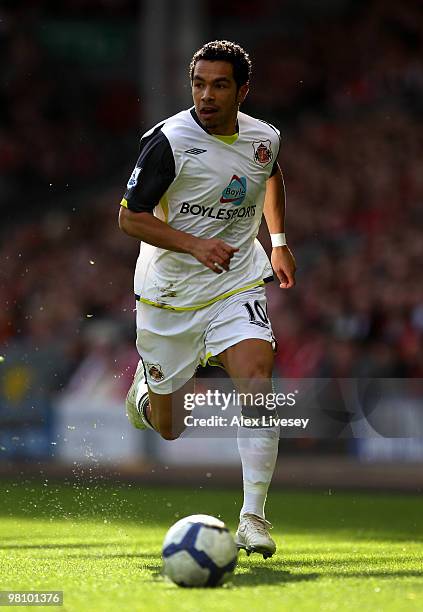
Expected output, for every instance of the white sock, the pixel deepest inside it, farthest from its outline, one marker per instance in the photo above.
(258, 449)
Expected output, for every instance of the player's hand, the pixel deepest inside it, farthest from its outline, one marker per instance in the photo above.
(283, 263)
(214, 254)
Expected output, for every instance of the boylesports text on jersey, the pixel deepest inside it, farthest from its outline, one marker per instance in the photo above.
(225, 214)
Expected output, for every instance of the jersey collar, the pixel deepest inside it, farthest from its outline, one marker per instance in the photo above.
(196, 119)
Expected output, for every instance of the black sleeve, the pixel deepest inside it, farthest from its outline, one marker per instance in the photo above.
(153, 173)
(275, 168)
(275, 163)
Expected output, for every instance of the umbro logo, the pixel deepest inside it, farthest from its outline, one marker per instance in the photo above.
(195, 151)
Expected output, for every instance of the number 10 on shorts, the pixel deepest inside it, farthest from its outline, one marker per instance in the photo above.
(257, 314)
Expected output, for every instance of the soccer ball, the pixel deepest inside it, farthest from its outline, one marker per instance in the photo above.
(199, 551)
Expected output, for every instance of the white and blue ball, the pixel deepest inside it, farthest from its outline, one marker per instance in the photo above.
(199, 551)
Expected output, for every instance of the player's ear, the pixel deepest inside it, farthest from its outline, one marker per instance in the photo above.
(242, 93)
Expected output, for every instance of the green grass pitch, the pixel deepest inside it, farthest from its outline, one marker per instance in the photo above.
(101, 544)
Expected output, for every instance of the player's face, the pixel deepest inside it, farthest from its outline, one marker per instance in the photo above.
(216, 96)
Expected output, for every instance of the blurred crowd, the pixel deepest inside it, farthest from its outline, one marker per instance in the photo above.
(66, 284)
(355, 194)
(346, 92)
(67, 108)
(363, 55)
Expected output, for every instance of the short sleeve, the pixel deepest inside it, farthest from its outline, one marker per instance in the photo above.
(153, 174)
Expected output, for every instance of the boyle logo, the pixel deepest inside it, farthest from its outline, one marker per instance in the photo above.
(235, 192)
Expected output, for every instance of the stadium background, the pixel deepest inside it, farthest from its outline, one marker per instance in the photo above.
(343, 80)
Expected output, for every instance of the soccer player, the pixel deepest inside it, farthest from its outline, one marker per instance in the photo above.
(195, 200)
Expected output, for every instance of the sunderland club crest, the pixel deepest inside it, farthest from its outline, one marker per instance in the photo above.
(263, 152)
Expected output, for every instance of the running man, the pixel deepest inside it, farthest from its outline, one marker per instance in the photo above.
(195, 200)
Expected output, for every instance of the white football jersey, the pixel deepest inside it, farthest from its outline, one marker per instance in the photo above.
(199, 184)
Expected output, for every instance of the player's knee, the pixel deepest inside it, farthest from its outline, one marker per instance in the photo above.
(260, 369)
(257, 375)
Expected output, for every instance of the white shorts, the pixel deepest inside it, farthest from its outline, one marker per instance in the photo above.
(173, 344)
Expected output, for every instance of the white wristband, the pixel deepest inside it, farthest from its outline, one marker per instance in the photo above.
(278, 240)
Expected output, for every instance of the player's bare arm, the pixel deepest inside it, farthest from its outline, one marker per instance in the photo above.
(283, 261)
(213, 253)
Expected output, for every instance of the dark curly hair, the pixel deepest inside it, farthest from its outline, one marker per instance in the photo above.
(225, 51)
